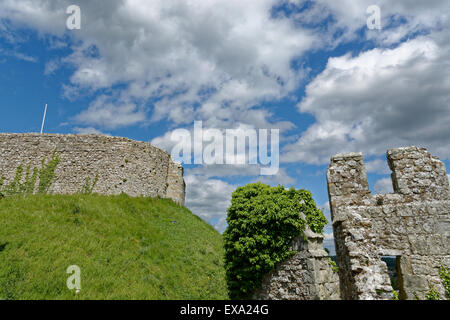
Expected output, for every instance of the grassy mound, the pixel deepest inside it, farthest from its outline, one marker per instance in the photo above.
(126, 248)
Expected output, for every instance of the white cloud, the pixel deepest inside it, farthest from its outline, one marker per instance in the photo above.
(377, 166)
(247, 159)
(222, 171)
(111, 114)
(51, 66)
(280, 178)
(88, 130)
(328, 241)
(209, 198)
(45, 16)
(17, 55)
(383, 186)
(164, 142)
(349, 16)
(211, 60)
(328, 236)
(325, 207)
(380, 99)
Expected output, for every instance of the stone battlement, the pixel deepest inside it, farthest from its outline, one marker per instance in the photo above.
(412, 224)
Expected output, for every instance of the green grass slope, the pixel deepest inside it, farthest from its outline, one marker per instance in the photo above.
(126, 248)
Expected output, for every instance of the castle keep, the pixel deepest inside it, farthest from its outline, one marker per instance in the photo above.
(109, 165)
(412, 224)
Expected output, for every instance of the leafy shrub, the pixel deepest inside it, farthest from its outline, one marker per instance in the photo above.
(444, 272)
(395, 295)
(87, 187)
(433, 294)
(47, 173)
(27, 185)
(333, 265)
(262, 222)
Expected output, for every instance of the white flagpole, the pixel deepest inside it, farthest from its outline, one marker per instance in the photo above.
(43, 120)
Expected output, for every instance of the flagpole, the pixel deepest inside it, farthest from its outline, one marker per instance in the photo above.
(43, 120)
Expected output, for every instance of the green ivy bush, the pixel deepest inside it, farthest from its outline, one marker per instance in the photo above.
(444, 272)
(27, 184)
(395, 295)
(47, 173)
(262, 222)
(433, 294)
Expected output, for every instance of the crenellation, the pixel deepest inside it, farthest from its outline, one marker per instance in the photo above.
(412, 224)
(418, 175)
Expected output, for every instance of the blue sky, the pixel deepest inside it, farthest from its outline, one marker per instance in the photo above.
(311, 69)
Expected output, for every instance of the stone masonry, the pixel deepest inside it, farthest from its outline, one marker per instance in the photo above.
(412, 224)
(119, 164)
(307, 275)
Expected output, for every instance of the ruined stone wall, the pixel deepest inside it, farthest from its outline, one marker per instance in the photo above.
(412, 224)
(176, 187)
(118, 164)
(307, 275)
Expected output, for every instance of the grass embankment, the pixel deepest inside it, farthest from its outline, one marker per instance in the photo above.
(126, 248)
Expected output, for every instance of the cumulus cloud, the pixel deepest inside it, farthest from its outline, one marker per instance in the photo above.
(17, 55)
(250, 158)
(209, 199)
(111, 114)
(379, 99)
(327, 213)
(211, 60)
(325, 207)
(399, 19)
(281, 178)
(51, 66)
(383, 186)
(328, 236)
(378, 166)
(228, 171)
(87, 130)
(328, 240)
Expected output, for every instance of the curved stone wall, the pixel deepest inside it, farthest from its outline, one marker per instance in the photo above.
(117, 164)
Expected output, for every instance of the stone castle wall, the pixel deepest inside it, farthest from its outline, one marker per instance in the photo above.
(307, 275)
(412, 224)
(118, 164)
